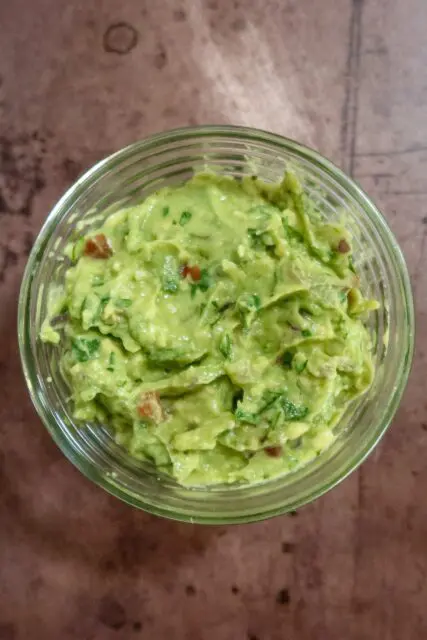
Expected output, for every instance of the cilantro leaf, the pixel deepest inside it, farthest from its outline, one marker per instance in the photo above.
(111, 361)
(249, 302)
(293, 411)
(286, 359)
(85, 349)
(205, 280)
(246, 416)
(291, 232)
(225, 346)
(299, 368)
(185, 218)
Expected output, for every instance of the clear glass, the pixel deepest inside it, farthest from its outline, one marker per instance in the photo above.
(129, 176)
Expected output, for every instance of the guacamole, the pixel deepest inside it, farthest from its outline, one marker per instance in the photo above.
(217, 329)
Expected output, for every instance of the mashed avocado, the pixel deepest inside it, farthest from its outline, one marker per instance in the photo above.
(217, 329)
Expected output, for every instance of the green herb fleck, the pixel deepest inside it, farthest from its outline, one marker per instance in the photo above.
(85, 349)
(291, 232)
(287, 358)
(205, 280)
(306, 333)
(246, 416)
(255, 237)
(249, 302)
(185, 218)
(103, 301)
(111, 361)
(225, 346)
(293, 411)
(165, 211)
(122, 303)
(299, 367)
(269, 397)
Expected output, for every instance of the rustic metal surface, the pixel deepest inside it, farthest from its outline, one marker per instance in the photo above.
(81, 78)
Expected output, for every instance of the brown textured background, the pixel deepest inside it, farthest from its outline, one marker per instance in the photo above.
(78, 80)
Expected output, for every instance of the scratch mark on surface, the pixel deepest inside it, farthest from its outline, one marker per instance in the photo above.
(351, 98)
(373, 175)
(416, 148)
(402, 193)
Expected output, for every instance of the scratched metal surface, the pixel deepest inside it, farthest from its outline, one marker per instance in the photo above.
(80, 79)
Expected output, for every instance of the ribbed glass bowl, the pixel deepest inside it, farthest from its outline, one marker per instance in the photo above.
(129, 176)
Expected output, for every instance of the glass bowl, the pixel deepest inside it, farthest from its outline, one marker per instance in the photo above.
(128, 176)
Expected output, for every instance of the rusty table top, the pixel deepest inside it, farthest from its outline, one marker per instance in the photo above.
(82, 78)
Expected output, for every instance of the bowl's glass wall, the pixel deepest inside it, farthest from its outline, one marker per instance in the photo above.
(128, 177)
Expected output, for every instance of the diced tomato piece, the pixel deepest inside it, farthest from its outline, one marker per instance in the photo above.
(97, 247)
(185, 270)
(195, 273)
(273, 452)
(149, 407)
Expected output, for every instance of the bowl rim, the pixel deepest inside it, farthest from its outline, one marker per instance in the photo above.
(188, 133)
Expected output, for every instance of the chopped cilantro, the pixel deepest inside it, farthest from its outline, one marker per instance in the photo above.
(287, 358)
(185, 218)
(306, 333)
(225, 346)
(249, 302)
(269, 397)
(299, 367)
(103, 301)
(165, 211)
(292, 411)
(85, 349)
(111, 361)
(291, 232)
(255, 237)
(205, 280)
(246, 416)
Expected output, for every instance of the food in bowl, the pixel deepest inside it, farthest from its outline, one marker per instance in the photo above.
(217, 328)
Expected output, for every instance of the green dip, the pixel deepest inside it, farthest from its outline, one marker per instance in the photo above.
(217, 328)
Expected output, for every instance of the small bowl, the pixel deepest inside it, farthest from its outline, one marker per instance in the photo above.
(129, 176)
